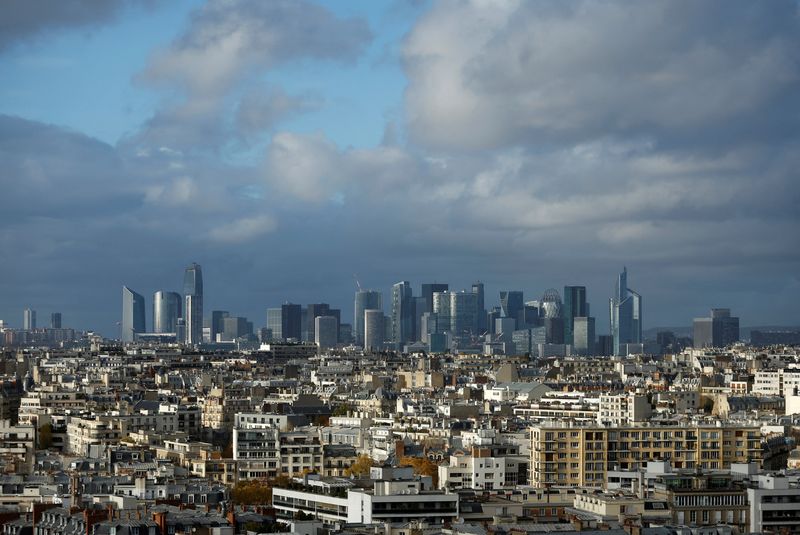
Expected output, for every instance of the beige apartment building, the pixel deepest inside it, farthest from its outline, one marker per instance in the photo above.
(566, 454)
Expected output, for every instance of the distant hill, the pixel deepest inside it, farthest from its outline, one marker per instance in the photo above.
(744, 332)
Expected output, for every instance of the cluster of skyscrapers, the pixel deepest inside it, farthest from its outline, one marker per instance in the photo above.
(436, 320)
(174, 315)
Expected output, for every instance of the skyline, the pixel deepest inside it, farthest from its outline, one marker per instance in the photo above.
(603, 317)
(285, 146)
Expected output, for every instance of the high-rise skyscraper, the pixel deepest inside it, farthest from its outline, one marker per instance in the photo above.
(427, 293)
(217, 323)
(480, 311)
(583, 335)
(55, 320)
(512, 304)
(442, 310)
(373, 329)
(625, 309)
(463, 314)
(402, 314)
(365, 300)
(29, 319)
(574, 306)
(193, 304)
(326, 331)
(719, 330)
(291, 321)
(275, 322)
(133, 321)
(167, 308)
(315, 310)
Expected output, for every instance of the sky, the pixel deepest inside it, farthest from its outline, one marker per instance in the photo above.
(294, 147)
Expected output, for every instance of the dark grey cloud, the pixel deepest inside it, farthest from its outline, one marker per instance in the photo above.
(26, 20)
(491, 75)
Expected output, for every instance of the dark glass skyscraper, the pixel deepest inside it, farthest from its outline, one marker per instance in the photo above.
(193, 304)
(167, 308)
(402, 314)
(291, 318)
(625, 309)
(133, 321)
(480, 312)
(427, 293)
(55, 320)
(512, 304)
(574, 307)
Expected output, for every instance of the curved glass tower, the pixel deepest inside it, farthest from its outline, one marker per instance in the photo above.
(132, 314)
(167, 308)
(193, 304)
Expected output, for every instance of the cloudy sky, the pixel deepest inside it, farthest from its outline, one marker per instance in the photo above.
(288, 145)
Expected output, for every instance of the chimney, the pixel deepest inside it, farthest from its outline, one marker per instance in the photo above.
(231, 519)
(399, 449)
(160, 518)
(110, 509)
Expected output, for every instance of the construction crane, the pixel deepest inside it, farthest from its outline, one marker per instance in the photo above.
(358, 284)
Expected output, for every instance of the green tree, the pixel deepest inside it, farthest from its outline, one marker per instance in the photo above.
(342, 410)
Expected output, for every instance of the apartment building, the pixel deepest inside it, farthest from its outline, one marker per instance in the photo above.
(564, 454)
(705, 499)
(774, 504)
(623, 409)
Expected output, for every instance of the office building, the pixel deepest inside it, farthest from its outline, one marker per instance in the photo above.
(167, 308)
(373, 329)
(427, 293)
(133, 321)
(28, 319)
(365, 300)
(625, 309)
(583, 338)
(402, 314)
(326, 331)
(217, 317)
(720, 329)
(291, 319)
(478, 290)
(574, 306)
(463, 314)
(512, 304)
(441, 307)
(55, 320)
(275, 323)
(233, 328)
(313, 311)
(193, 304)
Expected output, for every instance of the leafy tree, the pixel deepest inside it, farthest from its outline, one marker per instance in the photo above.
(252, 492)
(422, 466)
(342, 410)
(360, 467)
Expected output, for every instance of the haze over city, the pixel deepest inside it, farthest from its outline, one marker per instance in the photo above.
(286, 146)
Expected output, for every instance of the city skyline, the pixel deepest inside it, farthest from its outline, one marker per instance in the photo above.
(416, 141)
(259, 313)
